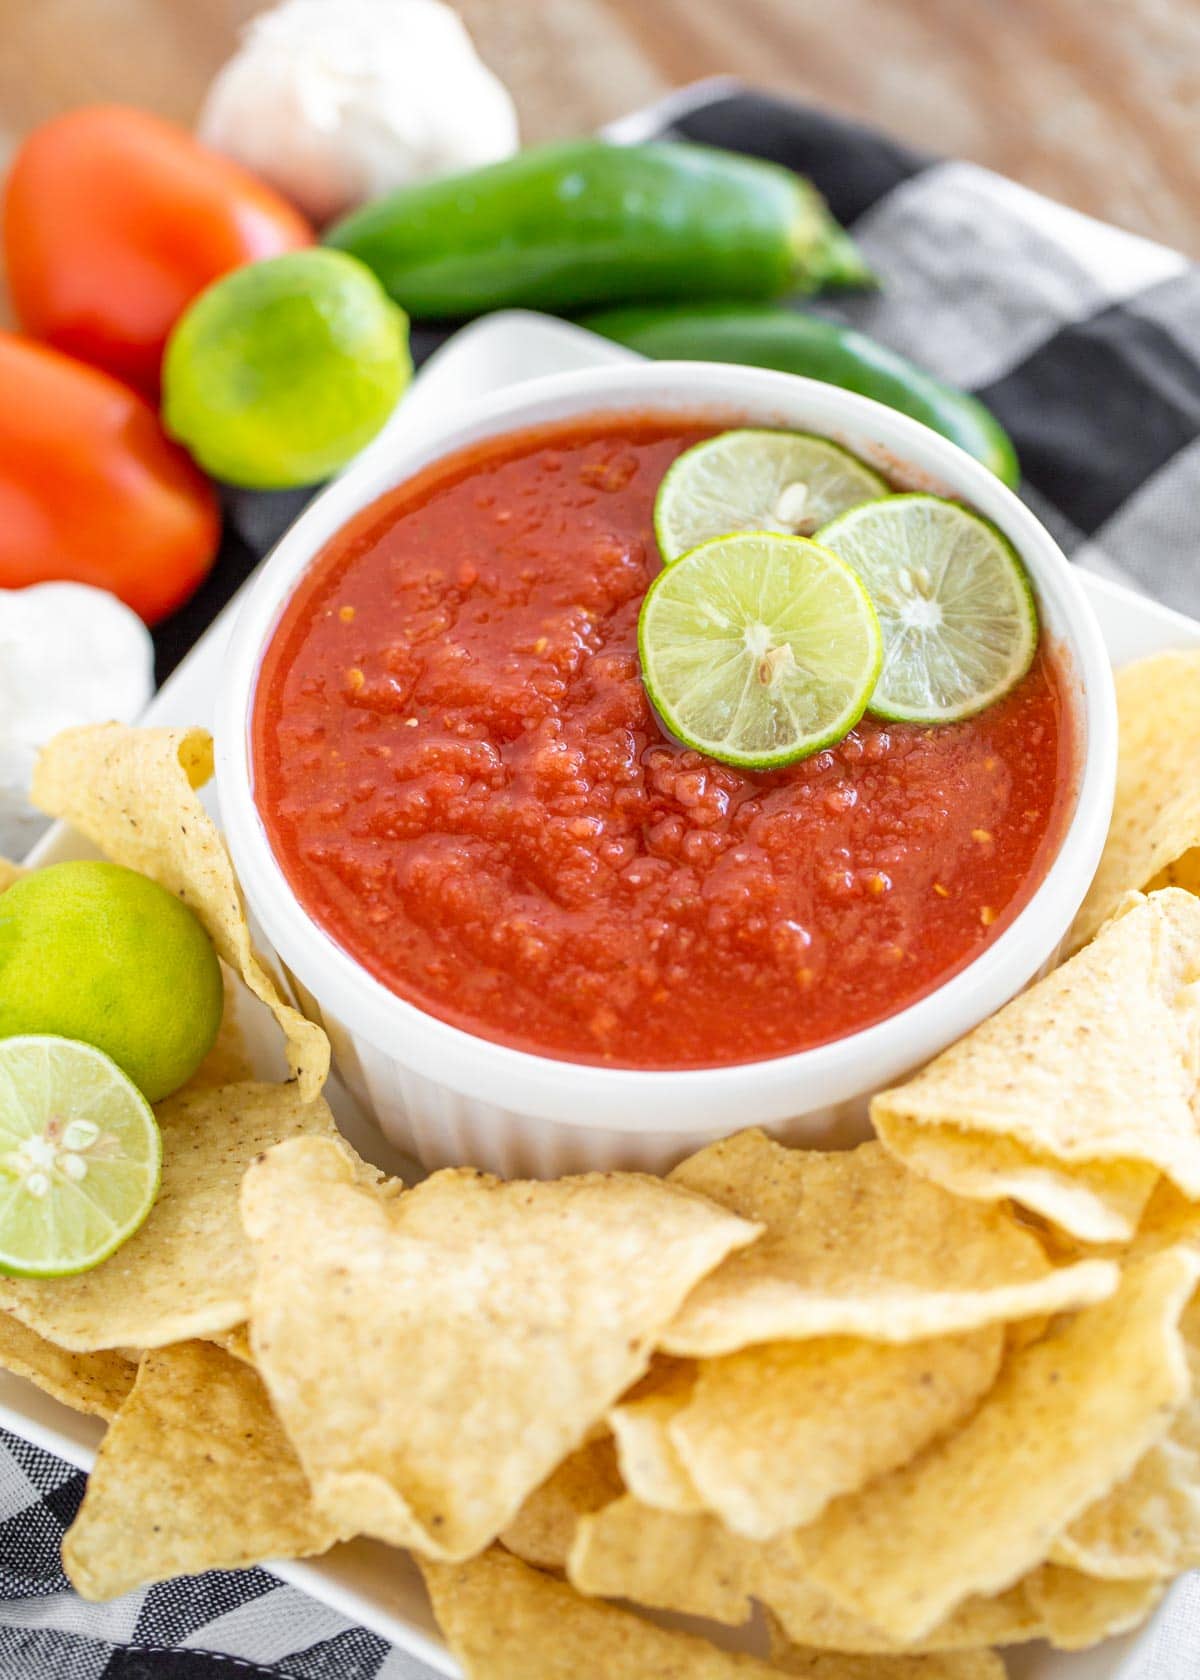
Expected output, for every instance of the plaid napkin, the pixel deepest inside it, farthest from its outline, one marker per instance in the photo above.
(1085, 341)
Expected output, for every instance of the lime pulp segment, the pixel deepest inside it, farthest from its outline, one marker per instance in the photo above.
(80, 1154)
(753, 479)
(759, 649)
(959, 622)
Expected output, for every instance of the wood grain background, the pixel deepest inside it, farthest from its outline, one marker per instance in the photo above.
(1096, 102)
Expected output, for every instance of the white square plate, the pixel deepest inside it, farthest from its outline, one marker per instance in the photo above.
(366, 1581)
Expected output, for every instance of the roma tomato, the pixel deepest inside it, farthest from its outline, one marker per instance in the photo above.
(92, 489)
(114, 220)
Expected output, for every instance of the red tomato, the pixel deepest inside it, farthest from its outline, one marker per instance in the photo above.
(115, 219)
(92, 489)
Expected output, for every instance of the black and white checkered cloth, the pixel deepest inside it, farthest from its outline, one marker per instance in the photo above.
(1085, 341)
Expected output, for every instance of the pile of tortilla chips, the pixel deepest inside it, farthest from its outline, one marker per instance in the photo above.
(916, 1400)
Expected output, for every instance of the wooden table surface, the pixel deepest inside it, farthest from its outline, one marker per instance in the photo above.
(1096, 102)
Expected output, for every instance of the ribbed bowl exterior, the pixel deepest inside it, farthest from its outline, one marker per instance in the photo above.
(443, 1128)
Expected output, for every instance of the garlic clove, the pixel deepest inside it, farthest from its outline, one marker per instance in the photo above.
(338, 101)
(69, 655)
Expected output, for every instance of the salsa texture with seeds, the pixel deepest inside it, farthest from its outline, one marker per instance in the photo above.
(466, 786)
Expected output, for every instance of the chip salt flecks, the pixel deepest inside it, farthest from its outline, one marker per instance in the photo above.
(195, 1473)
(544, 1298)
(69, 655)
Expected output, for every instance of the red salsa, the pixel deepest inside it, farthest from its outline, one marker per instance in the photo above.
(466, 786)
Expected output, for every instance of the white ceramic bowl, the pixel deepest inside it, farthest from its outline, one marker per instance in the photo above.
(451, 1097)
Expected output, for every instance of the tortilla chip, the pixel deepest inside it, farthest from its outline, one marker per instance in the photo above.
(1169, 1221)
(1155, 829)
(229, 1061)
(87, 1382)
(195, 1473)
(235, 1342)
(649, 1463)
(187, 1271)
(856, 1245)
(543, 1529)
(132, 793)
(801, 1614)
(834, 1665)
(504, 1621)
(1028, 1331)
(1149, 1525)
(1093, 1066)
(1099, 1202)
(666, 1561)
(1077, 1611)
(1070, 1416)
(772, 1434)
(435, 1355)
(9, 872)
(694, 1566)
(1070, 1610)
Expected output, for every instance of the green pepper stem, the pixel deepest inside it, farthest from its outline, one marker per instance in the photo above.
(832, 259)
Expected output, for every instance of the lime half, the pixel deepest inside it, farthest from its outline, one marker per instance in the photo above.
(959, 622)
(753, 480)
(79, 1157)
(759, 649)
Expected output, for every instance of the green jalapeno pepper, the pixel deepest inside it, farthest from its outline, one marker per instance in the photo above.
(764, 336)
(583, 222)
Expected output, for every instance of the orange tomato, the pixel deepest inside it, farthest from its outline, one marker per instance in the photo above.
(114, 219)
(92, 489)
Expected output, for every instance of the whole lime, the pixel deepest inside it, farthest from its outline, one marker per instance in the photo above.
(280, 372)
(95, 952)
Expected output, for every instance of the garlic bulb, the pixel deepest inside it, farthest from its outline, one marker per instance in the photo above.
(337, 101)
(69, 655)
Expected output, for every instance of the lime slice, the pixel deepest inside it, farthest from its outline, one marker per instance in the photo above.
(959, 622)
(759, 649)
(754, 480)
(79, 1157)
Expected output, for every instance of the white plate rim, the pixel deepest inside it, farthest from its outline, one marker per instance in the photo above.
(368, 1583)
